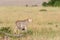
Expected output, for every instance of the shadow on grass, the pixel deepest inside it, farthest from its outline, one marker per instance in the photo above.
(43, 10)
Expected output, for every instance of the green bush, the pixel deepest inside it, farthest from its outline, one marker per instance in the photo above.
(52, 3)
(44, 4)
(57, 3)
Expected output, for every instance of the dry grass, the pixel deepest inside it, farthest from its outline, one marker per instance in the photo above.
(43, 25)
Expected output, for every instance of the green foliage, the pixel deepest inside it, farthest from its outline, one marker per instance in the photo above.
(52, 3)
(57, 3)
(6, 29)
(30, 32)
(44, 4)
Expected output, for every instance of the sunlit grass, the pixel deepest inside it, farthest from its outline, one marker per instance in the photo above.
(43, 24)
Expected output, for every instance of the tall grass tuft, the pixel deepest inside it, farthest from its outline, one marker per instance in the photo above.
(4, 31)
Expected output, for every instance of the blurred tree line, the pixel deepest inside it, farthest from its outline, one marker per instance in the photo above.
(52, 3)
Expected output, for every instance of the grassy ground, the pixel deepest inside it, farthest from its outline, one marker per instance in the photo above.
(45, 24)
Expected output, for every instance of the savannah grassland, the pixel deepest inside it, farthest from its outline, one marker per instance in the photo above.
(45, 24)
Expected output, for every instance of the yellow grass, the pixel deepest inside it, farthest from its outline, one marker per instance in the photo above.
(43, 24)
